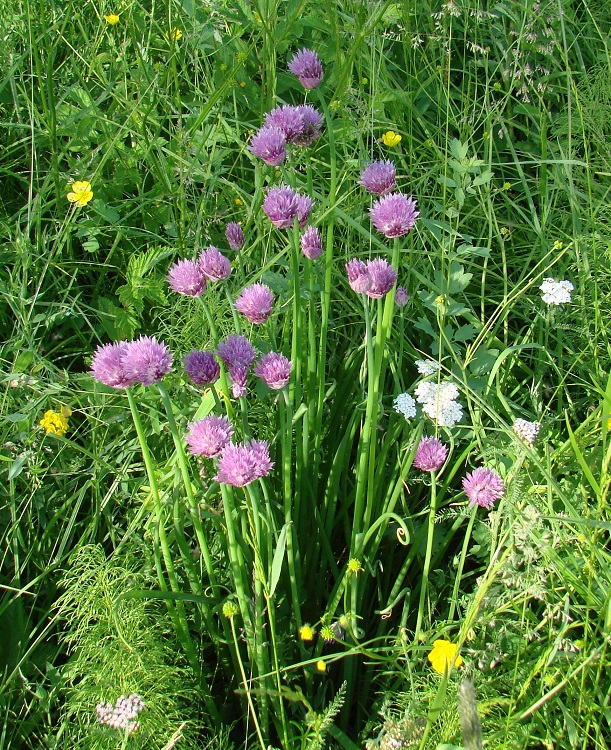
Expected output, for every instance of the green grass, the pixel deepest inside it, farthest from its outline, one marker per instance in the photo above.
(503, 112)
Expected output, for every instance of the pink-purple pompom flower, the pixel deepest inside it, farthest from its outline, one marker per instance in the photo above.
(107, 365)
(401, 296)
(255, 302)
(483, 487)
(214, 265)
(201, 367)
(234, 235)
(306, 65)
(147, 360)
(282, 204)
(274, 369)
(311, 243)
(379, 177)
(394, 215)
(238, 354)
(208, 436)
(244, 463)
(186, 277)
(269, 144)
(430, 454)
(375, 278)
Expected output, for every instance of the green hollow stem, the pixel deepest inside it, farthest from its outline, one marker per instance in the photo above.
(424, 585)
(461, 563)
(178, 612)
(247, 691)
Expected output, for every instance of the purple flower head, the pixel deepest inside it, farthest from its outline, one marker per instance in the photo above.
(394, 215)
(186, 277)
(401, 296)
(307, 67)
(208, 436)
(483, 486)
(234, 235)
(147, 360)
(242, 464)
(274, 369)
(288, 119)
(311, 243)
(281, 205)
(107, 365)
(201, 367)
(269, 144)
(379, 178)
(255, 302)
(238, 354)
(312, 125)
(304, 206)
(214, 265)
(383, 278)
(359, 277)
(430, 454)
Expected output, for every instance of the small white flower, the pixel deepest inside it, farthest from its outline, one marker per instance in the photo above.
(427, 366)
(439, 402)
(526, 430)
(405, 404)
(556, 292)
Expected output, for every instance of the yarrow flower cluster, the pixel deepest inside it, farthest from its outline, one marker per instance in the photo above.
(255, 302)
(405, 404)
(123, 715)
(556, 292)
(483, 487)
(394, 215)
(244, 463)
(438, 401)
(124, 364)
(379, 177)
(375, 278)
(282, 205)
(238, 354)
(427, 367)
(186, 277)
(528, 431)
(430, 454)
(208, 436)
(306, 65)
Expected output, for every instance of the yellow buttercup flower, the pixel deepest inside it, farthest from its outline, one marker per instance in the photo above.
(112, 19)
(307, 633)
(81, 193)
(321, 666)
(443, 656)
(175, 34)
(55, 422)
(390, 138)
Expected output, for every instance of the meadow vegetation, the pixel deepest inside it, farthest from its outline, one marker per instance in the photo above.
(371, 510)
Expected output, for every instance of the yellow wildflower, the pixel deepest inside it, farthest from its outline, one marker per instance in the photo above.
(81, 193)
(321, 666)
(354, 566)
(443, 656)
(175, 34)
(558, 245)
(112, 19)
(507, 186)
(307, 633)
(390, 138)
(55, 422)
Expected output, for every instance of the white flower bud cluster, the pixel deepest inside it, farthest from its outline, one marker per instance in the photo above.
(528, 431)
(123, 714)
(405, 404)
(439, 402)
(556, 292)
(427, 366)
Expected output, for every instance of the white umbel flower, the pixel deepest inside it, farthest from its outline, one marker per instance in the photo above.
(405, 404)
(528, 431)
(556, 292)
